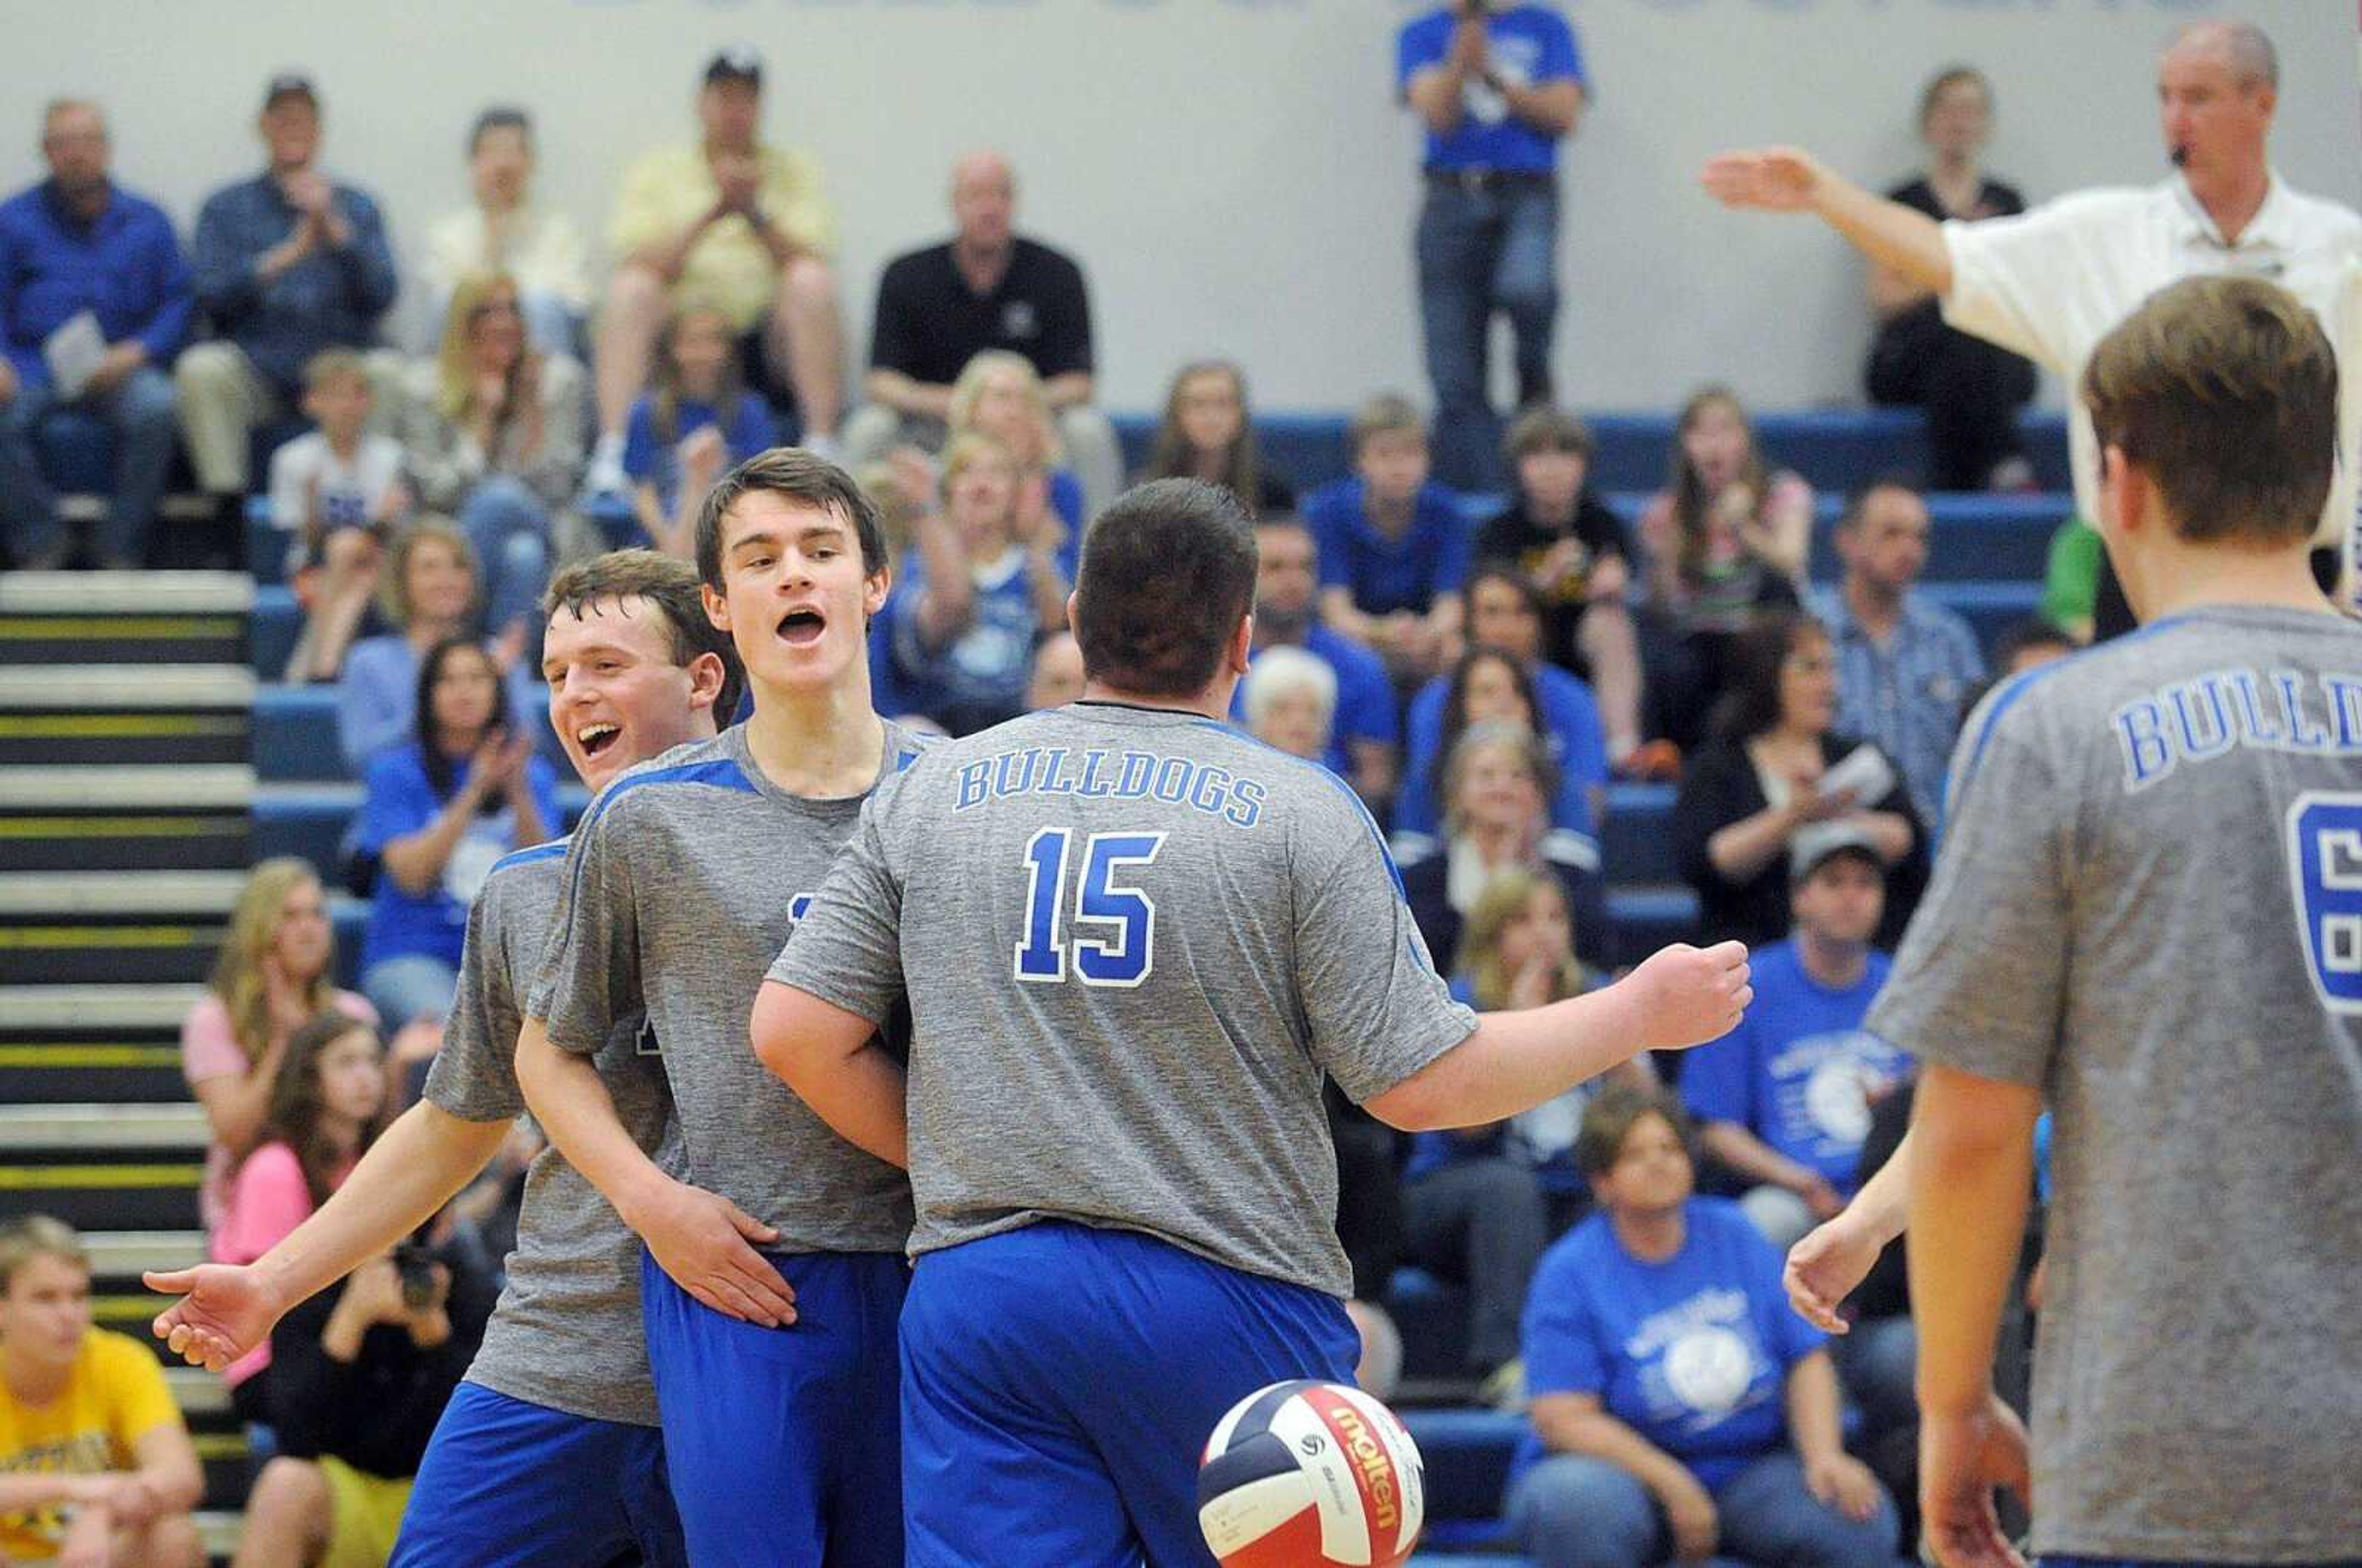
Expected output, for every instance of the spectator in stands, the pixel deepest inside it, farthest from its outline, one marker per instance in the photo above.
(273, 975)
(1571, 548)
(288, 263)
(1364, 738)
(1971, 389)
(1783, 1100)
(79, 246)
(1680, 1409)
(1289, 699)
(986, 287)
(1495, 88)
(957, 636)
(1504, 617)
(337, 491)
(1769, 773)
(690, 427)
(1208, 433)
(1394, 548)
(737, 225)
(1496, 789)
(494, 433)
(1370, 1227)
(96, 1469)
(432, 592)
(501, 232)
(998, 394)
(2027, 643)
(1058, 677)
(1903, 663)
(1726, 543)
(2075, 581)
(437, 813)
(328, 1106)
(359, 1376)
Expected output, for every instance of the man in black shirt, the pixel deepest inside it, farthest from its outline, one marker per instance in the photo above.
(986, 287)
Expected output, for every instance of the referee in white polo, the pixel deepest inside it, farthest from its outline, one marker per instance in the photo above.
(2051, 283)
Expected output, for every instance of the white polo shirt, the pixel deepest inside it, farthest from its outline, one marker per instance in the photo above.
(2051, 283)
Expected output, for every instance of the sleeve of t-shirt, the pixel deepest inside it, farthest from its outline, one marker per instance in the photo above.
(640, 207)
(751, 428)
(1456, 543)
(1377, 1010)
(590, 973)
(640, 443)
(1420, 45)
(847, 948)
(2026, 283)
(138, 1400)
(267, 1200)
(1997, 907)
(208, 1044)
(474, 1075)
(1065, 344)
(1717, 1080)
(1561, 56)
(1560, 1337)
(397, 800)
(1365, 705)
(289, 473)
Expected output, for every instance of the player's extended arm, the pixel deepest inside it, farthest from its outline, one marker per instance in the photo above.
(836, 1064)
(1789, 179)
(699, 1238)
(1822, 1269)
(413, 1169)
(1681, 997)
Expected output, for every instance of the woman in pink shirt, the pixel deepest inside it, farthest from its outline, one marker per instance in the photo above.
(273, 975)
(327, 1103)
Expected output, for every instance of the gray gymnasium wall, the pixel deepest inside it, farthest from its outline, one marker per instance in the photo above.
(1235, 172)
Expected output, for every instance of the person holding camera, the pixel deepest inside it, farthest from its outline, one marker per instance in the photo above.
(1496, 87)
(360, 1375)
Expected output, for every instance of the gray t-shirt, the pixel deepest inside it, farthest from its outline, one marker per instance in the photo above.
(2150, 907)
(683, 881)
(567, 1333)
(1132, 941)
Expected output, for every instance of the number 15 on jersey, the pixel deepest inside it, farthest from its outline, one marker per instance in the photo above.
(1109, 937)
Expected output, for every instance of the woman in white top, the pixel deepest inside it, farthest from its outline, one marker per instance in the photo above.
(502, 231)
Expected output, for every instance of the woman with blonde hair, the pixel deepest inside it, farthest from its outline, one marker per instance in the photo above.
(272, 975)
(432, 592)
(1000, 394)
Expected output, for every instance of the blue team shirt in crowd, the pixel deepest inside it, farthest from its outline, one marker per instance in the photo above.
(1365, 698)
(1571, 729)
(125, 267)
(1388, 574)
(648, 461)
(980, 676)
(1528, 45)
(399, 801)
(1799, 1070)
(331, 299)
(1692, 1353)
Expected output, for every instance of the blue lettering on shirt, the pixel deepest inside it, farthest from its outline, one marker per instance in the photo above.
(2215, 714)
(1100, 774)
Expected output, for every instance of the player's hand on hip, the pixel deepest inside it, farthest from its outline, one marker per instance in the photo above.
(1963, 1457)
(705, 1243)
(223, 1313)
(1822, 1269)
(1764, 179)
(1687, 996)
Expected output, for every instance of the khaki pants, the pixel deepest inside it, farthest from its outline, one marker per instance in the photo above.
(223, 398)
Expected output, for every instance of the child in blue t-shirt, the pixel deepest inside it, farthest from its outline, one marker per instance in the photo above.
(1394, 547)
(694, 424)
(1678, 1407)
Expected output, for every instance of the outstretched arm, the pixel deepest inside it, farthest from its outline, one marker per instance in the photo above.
(1907, 243)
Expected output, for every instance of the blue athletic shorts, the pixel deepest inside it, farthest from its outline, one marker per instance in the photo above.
(1059, 1384)
(508, 1484)
(785, 1445)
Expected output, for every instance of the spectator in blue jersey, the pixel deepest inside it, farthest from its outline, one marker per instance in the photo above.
(1903, 663)
(1504, 618)
(288, 263)
(694, 424)
(1364, 734)
(78, 246)
(1394, 547)
(437, 814)
(1783, 1100)
(432, 593)
(1680, 1409)
(1496, 87)
(957, 636)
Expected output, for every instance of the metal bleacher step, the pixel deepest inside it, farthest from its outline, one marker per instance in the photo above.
(104, 1167)
(112, 926)
(97, 817)
(120, 713)
(137, 618)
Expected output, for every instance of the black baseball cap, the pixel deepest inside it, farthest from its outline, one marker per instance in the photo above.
(737, 63)
(290, 84)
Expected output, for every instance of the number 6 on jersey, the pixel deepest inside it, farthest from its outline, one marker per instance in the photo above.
(1127, 953)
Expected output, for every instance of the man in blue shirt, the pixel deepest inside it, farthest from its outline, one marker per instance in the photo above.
(76, 245)
(288, 263)
(1363, 736)
(1784, 1099)
(1905, 666)
(1495, 88)
(1394, 547)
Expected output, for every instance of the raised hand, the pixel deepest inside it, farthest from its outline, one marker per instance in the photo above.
(1764, 179)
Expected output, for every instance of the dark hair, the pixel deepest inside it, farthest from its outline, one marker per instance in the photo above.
(671, 586)
(440, 773)
(1950, 76)
(1241, 459)
(294, 1117)
(1858, 500)
(1509, 577)
(1545, 429)
(1610, 1118)
(2034, 632)
(797, 475)
(1167, 574)
(1455, 706)
(2224, 391)
(500, 116)
(1751, 699)
(1690, 499)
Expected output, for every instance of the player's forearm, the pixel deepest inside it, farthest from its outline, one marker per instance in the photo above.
(1879, 1209)
(1969, 1179)
(413, 1169)
(1513, 1062)
(1902, 240)
(570, 1099)
(1811, 1391)
(832, 1061)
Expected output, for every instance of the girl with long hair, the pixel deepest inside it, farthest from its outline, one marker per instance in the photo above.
(692, 424)
(1208, 433)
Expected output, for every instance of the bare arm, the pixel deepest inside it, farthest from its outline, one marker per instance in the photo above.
(1971, 1178)
(1890, 830)
(947, 605)
(236, 1104)
(1751, 1157)
(415, 861)
(1553, 108)
(1574, 1423)
(166, 1462)
(1744, 847)
(907, 395)
(1435, 94)
(1811, 1397)
(1902, 239)
(1067, 389)
(1892, 293)
(836, 1064)
(1342, 617)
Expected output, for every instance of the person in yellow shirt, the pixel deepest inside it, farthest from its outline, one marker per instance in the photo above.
(96, 1469)
(732, 223)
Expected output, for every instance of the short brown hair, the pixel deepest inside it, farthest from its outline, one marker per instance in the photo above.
(1543, 428)
(798, 475)
(30, 1236)
(2225, 389)
(1168, 572)
(1609, 1119)
(671, 586)
(1388, 414)
(393, 593)
(335, 364)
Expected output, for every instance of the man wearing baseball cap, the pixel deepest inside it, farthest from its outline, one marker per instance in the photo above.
(732, 222)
